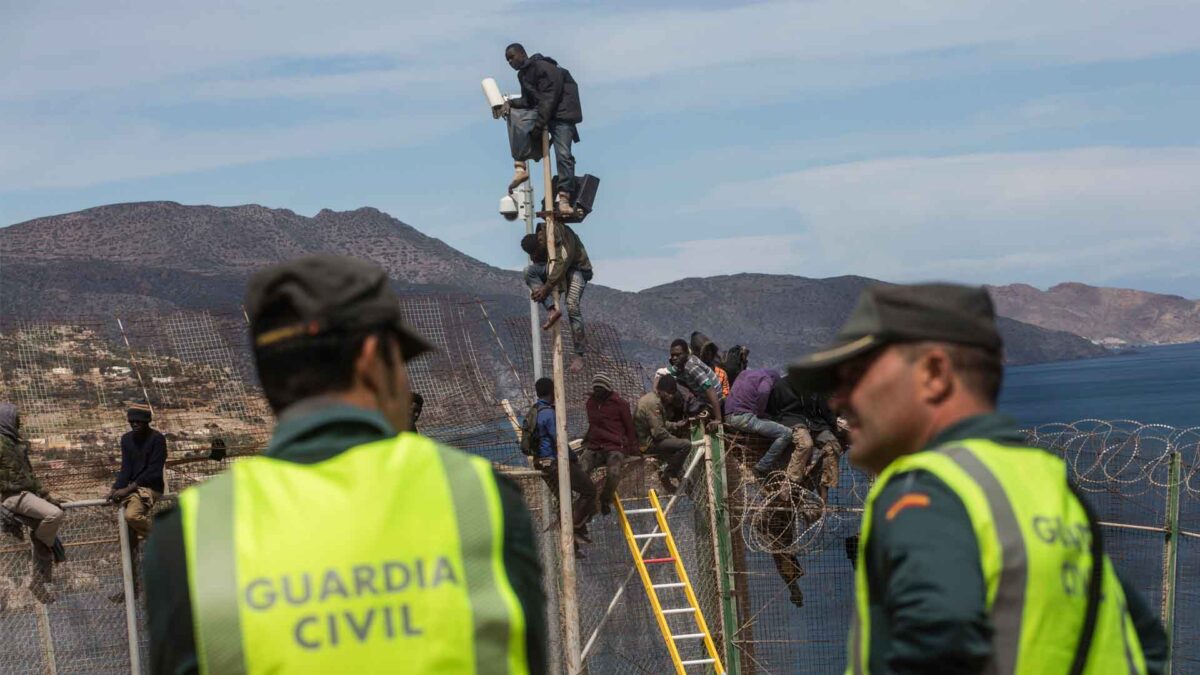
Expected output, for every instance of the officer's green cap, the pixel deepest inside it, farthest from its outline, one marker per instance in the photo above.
(888, 314)
(321, 294)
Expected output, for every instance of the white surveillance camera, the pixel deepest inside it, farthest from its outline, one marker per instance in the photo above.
(508, 207)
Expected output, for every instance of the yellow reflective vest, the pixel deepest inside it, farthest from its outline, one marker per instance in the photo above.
(1034, 547)
(384, 558)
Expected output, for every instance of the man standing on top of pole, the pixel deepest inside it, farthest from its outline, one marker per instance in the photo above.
(550, 89)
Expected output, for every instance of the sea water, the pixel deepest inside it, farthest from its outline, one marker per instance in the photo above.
(1152, 385)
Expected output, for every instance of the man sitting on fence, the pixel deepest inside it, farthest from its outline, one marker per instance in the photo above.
(545, 444)
(660, 419)
(746, 411)
(610, 437)
(817, 452)
(23, 495)
(140, 481)
(698, 378)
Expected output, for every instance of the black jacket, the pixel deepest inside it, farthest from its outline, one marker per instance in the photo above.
(142, 461)
(788, 408)
(550, 89)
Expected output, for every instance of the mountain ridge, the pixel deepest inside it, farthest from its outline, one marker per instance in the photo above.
(165, 254)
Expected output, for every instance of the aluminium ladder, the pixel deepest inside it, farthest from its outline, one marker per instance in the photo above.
(663, 532)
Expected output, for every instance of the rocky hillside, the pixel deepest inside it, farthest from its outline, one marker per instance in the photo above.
(1114, 316)
(162, 254)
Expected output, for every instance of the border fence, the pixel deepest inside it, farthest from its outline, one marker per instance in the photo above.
(740, 538)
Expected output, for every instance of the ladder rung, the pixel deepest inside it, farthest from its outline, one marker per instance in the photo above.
(630, 511)
(652, 535)
(688, 636)
(676, 584)
(696, 662)
(681, 610)
(657, 561)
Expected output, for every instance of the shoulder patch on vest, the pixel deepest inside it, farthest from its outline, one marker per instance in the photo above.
(909, 499)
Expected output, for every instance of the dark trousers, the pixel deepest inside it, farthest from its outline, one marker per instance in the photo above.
(671, 453)
(584, 505)
(562, 134)
(611, 460)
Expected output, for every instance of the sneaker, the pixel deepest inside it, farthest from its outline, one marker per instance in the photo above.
(520, 175)
(668, 483)
(564, 206)
(42, 593)
(796, 596)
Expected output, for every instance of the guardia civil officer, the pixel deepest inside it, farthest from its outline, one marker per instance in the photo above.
(352, 545)
(975, 550)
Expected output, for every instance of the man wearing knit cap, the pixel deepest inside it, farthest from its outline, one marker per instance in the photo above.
(140, 481)
(610, 436)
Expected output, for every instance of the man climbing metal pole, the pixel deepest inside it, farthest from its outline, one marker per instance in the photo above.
(548, 88)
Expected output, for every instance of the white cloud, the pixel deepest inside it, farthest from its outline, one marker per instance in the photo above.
(87, 152)
(83, 78)
(1097, 215)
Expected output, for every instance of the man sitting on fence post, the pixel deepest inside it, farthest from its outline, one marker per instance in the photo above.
(546, 437)
(23, 494)
(746, 410)
(661, 415)
(140, 482)
(610, 437)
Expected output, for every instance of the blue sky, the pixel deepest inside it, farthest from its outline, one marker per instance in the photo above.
(989, 142)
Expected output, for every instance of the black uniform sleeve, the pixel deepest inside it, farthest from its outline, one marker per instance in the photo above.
(925, 562)
(1149, 630)
(524, 571)
(168, 602)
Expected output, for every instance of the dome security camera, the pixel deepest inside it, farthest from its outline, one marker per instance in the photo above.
(508, 207)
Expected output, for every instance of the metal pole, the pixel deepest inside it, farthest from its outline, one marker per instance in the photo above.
(725, 568)
(525, 204)
(135, 665)
(133, 365)
(553, 604)
(46, 634)
(1171, 555)
(570, 604)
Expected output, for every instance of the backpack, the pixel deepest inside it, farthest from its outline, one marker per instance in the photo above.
(529, 434)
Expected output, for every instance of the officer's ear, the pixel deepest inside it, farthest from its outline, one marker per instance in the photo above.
(935, 374)
(369, 370)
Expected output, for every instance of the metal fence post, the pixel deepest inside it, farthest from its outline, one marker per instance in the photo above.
(1171, 554)
(713, 452)
(43, 620)
(135, 665)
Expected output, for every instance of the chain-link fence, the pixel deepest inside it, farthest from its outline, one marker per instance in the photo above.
(769, 561)
(76, 622)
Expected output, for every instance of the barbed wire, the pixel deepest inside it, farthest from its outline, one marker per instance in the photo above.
(1124, 455)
